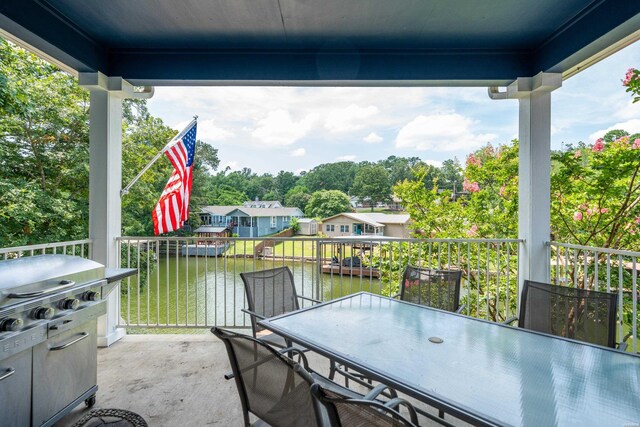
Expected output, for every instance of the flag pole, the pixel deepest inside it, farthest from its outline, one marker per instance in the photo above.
(126, 189)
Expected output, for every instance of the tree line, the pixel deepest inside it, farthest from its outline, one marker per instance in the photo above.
(44, 174)
(368, 181)
(44, 158)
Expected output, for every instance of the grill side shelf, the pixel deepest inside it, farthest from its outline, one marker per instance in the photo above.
(116, 274)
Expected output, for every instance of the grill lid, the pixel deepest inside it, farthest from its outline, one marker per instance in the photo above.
(29, 276)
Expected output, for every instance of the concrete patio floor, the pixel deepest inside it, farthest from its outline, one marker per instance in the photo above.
(172, 380)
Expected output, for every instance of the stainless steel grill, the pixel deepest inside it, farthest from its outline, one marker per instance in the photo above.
(49, 305)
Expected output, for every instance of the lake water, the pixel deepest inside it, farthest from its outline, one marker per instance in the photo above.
(200, 291)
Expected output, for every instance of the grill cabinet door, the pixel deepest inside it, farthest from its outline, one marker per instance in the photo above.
(62, 374)
(15, 390)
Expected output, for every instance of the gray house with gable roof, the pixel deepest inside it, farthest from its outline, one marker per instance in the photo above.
(250, 221)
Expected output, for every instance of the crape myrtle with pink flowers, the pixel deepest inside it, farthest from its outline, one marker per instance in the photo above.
(595, 201)
(595, 192)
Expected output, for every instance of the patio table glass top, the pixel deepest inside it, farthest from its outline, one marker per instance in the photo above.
(482, 372)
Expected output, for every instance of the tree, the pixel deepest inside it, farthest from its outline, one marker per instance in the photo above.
(451, 175)
(297, 197)
(595, 197)
(284, 182)
(326, 203)
(330, 176)
(400, 168)
(43, 151)
(372, 183)
(489, 208)
(632, 83)
(44, 154)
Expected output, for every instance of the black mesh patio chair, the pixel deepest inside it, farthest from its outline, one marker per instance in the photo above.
(274, 388)
(579, 314)
(343, 411)
(270, 293)
(433, 288)
(268, 386)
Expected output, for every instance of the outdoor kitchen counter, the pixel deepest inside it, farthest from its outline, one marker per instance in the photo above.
(116, 274)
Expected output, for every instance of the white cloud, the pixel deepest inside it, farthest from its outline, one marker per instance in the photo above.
(435, 163)
(440, 132)
(372, 138)
(348, 157)
(298, 152)
(208, 131)
(632, 126)
(350, 118)
(279, 129)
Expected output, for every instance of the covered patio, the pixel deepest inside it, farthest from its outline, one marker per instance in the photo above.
(134, 374)
(121, 49)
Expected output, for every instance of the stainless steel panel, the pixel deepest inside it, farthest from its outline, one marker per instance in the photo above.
(75, 319)
(41, 275)
(64, 367)
(15, 390)
(15, 342)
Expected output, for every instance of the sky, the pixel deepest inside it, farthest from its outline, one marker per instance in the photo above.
(269, 129)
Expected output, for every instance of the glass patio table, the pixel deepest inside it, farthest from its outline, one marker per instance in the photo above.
(481, 372)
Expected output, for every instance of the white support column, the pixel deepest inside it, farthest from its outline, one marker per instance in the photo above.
(105, 182)
(534, 207)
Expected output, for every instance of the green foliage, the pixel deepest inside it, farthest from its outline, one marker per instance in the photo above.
(141, 257)
(43, 151)
(487, 208)
(372, 183)
(297, 197)
(326, 203)
(632, 82)
(294, 225)
(595, 192)
(330, 176)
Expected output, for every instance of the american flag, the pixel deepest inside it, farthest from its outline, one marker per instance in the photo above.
(172, 210)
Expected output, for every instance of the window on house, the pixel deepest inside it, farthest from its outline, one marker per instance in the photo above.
(273, 222)
(285, 219)
(344, 228)
(330, 227)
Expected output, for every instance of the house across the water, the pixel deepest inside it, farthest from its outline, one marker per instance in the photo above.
(363, 224)
(252, 219)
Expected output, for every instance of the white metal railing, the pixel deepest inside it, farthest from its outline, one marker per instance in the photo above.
(174, 290)
(76, 247)
(601, 269)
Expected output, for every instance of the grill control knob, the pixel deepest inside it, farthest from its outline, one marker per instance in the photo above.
(10, 325)
(43, 313)
(70, 304)
(91, 296)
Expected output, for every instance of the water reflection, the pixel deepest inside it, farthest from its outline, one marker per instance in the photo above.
(201, 291)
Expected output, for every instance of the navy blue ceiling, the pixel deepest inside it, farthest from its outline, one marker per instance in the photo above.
(320, 41)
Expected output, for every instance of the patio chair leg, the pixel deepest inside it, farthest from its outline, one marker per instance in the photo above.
(441, 414)
(332, 369)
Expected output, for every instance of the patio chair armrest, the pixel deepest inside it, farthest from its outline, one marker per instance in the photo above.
(397, 401)
(252, 314)
(622, 346)
(377, 390)
(291, 350)
(510, 321)
(462, 307)
(310, 299)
